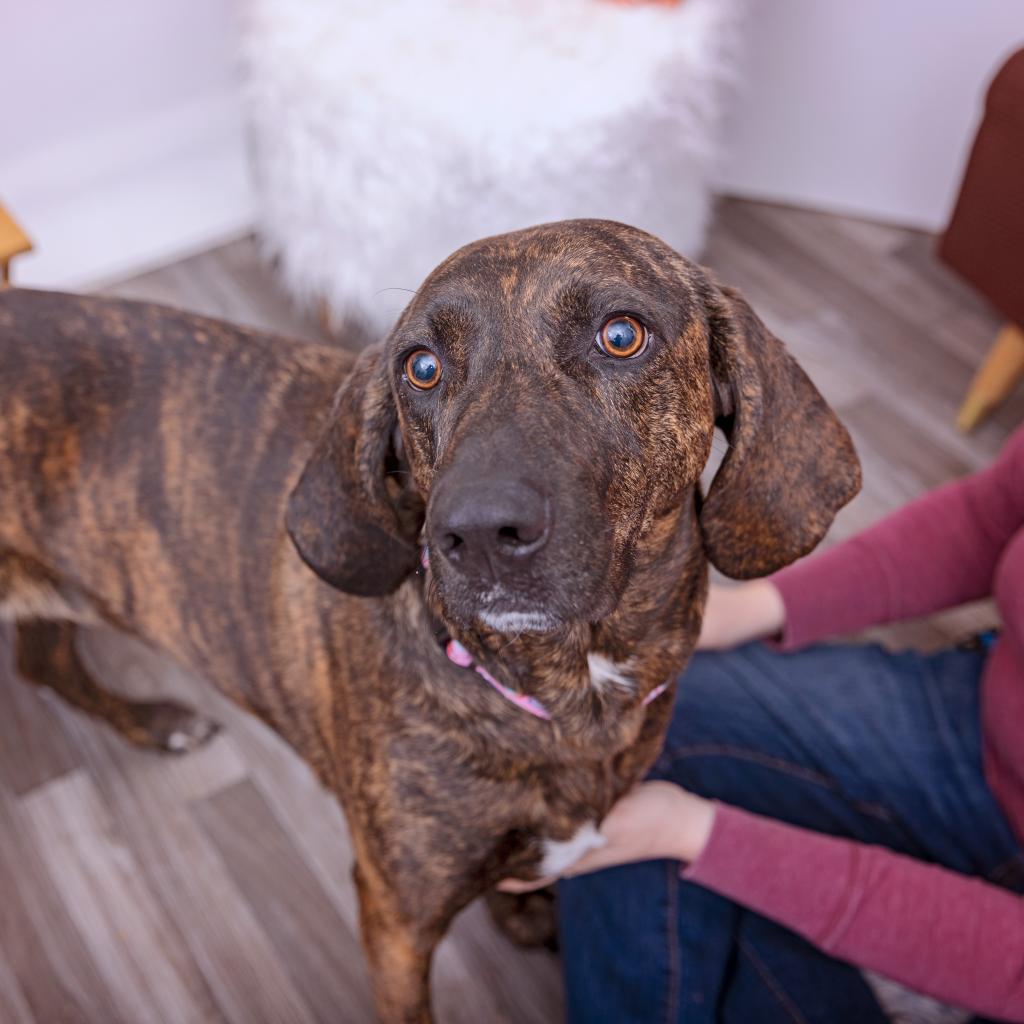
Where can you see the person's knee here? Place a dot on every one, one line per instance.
(726, 708)
(717, 699)
(624, 900)
(616, 929)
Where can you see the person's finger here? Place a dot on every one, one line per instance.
(596, 860)
(520, 885)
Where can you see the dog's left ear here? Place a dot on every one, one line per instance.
(791, 464)
(343, 516)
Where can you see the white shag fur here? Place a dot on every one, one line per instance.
(387, 135)
(560, 856)
(605, 672)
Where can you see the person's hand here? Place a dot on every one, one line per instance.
(737, 614)
(653, 821)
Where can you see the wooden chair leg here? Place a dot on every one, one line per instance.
(325, 318)
(13, 242)
(998, 375)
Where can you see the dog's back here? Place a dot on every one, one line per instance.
(146, 454)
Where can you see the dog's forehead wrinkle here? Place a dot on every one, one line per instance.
(555, 272)
(568, 245)
(452, 315)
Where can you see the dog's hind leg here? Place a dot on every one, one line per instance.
(47, 656)
(46, 613)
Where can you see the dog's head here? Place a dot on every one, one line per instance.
(544, 399)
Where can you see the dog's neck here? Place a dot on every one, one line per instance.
(592, 679)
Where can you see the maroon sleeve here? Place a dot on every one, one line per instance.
(935, 553)
(956, 938)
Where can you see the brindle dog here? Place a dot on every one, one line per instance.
(538, 420)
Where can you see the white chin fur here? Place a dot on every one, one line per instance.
(560, 856)
(518, 622)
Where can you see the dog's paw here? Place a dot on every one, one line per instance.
(527, 919)
(174, 728)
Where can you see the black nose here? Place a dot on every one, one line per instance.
(488, 528)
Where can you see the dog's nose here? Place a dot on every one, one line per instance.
(485, 528)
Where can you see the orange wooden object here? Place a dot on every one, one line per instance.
(13, 241)
(999, 374)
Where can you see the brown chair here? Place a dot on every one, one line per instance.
(985, 238)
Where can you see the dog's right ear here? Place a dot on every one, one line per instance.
(341, 518)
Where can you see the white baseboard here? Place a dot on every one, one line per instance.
(126, 199)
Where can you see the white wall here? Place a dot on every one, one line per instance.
(867, 107)
(121, 139)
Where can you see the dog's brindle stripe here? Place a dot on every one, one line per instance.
(145, 458)
(146, 462)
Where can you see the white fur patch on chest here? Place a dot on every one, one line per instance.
(559, 856)
(605, 673)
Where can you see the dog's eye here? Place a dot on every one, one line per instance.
(622, 337)
(423, 369)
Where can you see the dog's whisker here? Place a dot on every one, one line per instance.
(396, 288)
(509, 641)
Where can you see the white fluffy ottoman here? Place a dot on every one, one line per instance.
(387, 133)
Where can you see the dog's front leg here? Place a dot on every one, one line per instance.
(399, 948)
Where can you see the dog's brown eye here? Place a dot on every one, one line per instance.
(423, 369)
(622, 337)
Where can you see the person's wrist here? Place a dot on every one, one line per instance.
(694, 820)
(741, 613)
(771, 609)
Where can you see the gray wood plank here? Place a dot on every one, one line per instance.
(233, 282)
(14, 1008)
(910, 282)
(492, 980)
(41, 947)
(316, 946)
(106, 896)
(889, 336)
(150, 796)
(34, 747)
(910, 460)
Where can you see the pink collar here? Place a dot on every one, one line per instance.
(458, 655)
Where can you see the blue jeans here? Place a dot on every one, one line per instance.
(849, 740)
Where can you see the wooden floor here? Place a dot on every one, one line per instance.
(138, 888)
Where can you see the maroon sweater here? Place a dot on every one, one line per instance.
(956, 938)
